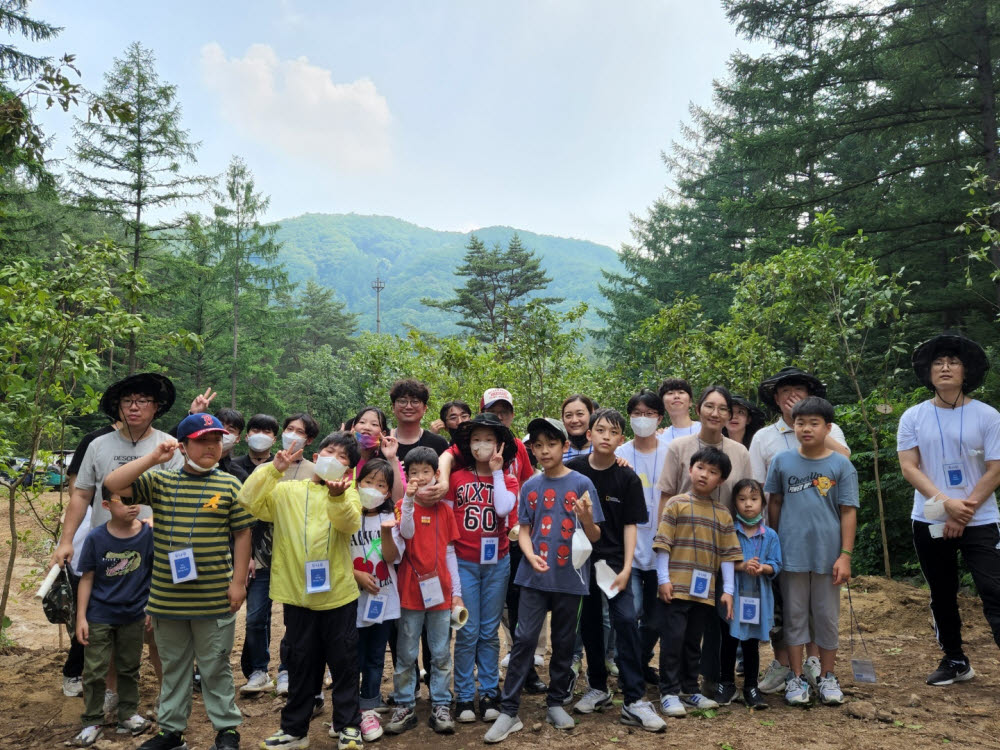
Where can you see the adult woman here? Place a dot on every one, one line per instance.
(949, 450)
(372, 431)
(744, 422)
(576, 411)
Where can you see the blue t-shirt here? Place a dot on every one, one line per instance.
(813, 489)
(122, 572)
(546, 506)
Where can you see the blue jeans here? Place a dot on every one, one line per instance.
(256, 653)
(371, 653)
(478, 643)
(411, 622)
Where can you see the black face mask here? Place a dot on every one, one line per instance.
(578, 441)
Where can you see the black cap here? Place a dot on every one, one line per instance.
(789, 376)
(151, 384)
(485, 419)
(974, 360)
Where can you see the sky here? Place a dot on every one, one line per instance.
(545, 115)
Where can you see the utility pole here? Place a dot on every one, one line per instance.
(378, 285)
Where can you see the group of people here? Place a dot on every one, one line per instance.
(706, 536)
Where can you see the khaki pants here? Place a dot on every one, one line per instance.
(124, 644)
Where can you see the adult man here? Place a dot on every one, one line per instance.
(949, 450)
(409, 404)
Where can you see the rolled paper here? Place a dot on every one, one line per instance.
(47, 583)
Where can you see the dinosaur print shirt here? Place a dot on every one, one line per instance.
(122, 571)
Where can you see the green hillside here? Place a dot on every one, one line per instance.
(346, 251)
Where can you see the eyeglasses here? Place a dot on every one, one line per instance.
(129, 402)
(949, 361)
(408, 402)
(715, 409)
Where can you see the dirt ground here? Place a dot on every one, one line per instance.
(898, 712)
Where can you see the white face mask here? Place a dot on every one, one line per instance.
(329, 468)
(197, 468)
(292, 441)
(228, 441)
(644, 426)
(260, 442)
(482, 451)
(371, 497)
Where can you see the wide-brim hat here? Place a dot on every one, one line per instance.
(463, 433)
(974, 361)
(757, 417)
(151, 384)
(789, 376)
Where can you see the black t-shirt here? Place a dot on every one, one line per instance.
(623, 503)
(428, 438)
(262, 532)
(81, 449)
(246, 465)
(232, 466)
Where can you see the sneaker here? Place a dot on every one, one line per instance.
(503, 727)
(671, 705)
(539, 660)
(505, 662)
(281, 685)
(651, 675)
(609, 664)
(318, 703)
(753, 698)
(135, 726)
(72, 687)
(371, 727)
(775, 678)
(592, 700)
(950, 671)
(87, 737)
(403, 718)
(282, 741)
(440, 720)
(797, 692)
(572, 690)
(811, 670)
(110, 702)
(489, 708)
(641, 714)
(557, 717)
(830, 693)
(699, 702)
(383, 707)
(196, 677)
(724, 693)
(465, 712)
(227, 739)
(166, 741)
(327, 678)
(535, 686)
(739, 666)
(575, 666)
(349, 739)
(258, 682)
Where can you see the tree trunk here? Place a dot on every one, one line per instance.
(988, 118)
(236, 333)
(133, 301)
(12, 518)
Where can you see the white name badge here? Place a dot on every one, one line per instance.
(489, 550)
(936, 530)
(374, 611)
(955, 475)
(182, 566)
(430, 591)
(317, 576)
(750, 610)
(701, 584)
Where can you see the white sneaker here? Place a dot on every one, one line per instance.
(327, 678)
(592, 700)
(72, 687)
(829, 690)
(258, 682)
(812, 671)
(281, 686)
(671, 705)
(134, 726)
(87, 737)
(504, 662)
(611, 667)
(641, 714)
(539, 660)
(775, 677)
(699, 702)
(110, 702)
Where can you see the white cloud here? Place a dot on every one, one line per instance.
(296, 108)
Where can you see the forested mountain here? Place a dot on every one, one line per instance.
(346, 251)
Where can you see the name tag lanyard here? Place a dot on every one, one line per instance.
(173, 509)
(495, 534)
(305, 529)
(754, 580)
(944, 456)
(652, 482)
(711, 570)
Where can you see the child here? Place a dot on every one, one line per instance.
(755, 600)
(695, 536)
(552, 577)
(115, 566)
(312, 577)
(374, 553)
(623, 505)
(429, 587)
(813, 499)
(196, 590)
(372, 431)
(482, 496)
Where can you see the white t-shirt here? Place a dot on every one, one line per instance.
(777, 438)
(366, 554)
(671, 432)
(968, 436)
(78, 540)
(107, 453)
(647, 466)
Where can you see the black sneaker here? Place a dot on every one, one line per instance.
(724, 693)
(489, 708)
(950, 671)
(535, 686)
(465, 712)
(650, 675)
(753, 698)
(164, 741)
(197, 679)
(227, 739)
(318, 703)
(403, 719)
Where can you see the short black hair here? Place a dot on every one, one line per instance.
(311, 425)
(675, 384)
(422, 454)
(264, 423)
(549, 430)
(813, 406)
(410, 388)
(611, 416)
(231, 417)
(753, 484)
(713, 457)
(461, 405)
(646, 398)
(348, 442)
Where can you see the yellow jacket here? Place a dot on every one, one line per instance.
(327, 530)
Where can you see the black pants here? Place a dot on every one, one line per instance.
(513, 594)
(649, 631)
(751, 659)
(74, 659)
(533, 605)
(317, 638)
(682, 624)
(621, 610)
(980, 548)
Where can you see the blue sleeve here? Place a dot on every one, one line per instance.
(88, 554)
(847, 490)
(522, 504)
(146, 545)
(774, 483)
(773, 555)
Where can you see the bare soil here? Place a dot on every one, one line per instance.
(900, 712)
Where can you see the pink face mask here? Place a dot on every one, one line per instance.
(367, 442)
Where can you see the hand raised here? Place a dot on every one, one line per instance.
(496, 460)
(283, 459)
(201, 401)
